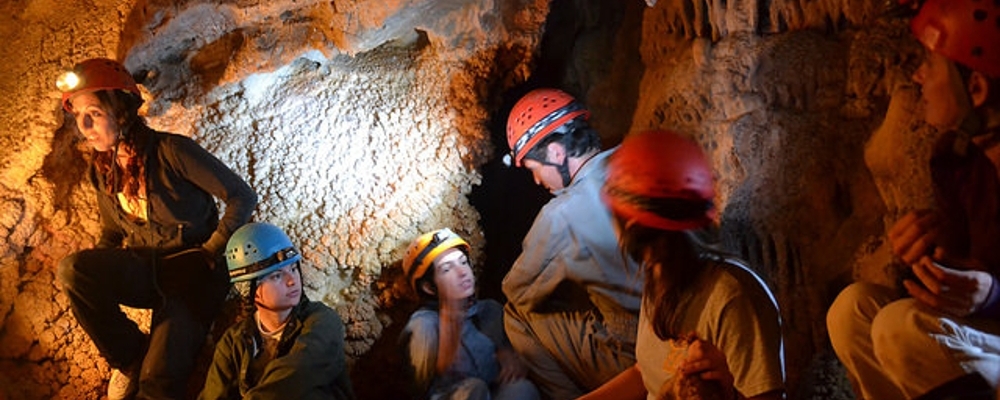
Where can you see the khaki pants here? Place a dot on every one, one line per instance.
(567, 353)
(897, 348)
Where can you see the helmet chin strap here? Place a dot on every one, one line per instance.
(562, 168)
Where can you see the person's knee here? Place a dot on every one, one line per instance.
(472, 388)
(902, 326)
(521, 389)
(855, 306)
(67, 271)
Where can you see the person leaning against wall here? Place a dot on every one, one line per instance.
(943, 338)
(573, 297)
(454, 345)
(709, 326)
(286, 347)
(161, 237)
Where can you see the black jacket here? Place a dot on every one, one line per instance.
(182, 181)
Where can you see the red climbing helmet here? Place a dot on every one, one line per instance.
(964, 31)
(93, 75)
(662, 180)
(535, 116)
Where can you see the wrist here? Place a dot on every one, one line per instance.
(990, 307)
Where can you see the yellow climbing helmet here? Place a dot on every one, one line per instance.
(425, 248)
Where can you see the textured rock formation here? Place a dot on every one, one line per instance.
(364, 123)
(359, 124)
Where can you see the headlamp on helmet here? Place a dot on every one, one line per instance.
(94, 75)
(425, 248)
(68, 81)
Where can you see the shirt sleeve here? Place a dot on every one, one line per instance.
(749, 333)
(419, 341)
(222, 380)
(540, 269)
(211, 175)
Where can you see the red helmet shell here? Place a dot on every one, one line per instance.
(536, 115)
(94, 75)
(659, 165)
(964, 31)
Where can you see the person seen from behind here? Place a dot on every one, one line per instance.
(709, 327)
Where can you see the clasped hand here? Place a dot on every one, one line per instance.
(709, 363)
(955, 286)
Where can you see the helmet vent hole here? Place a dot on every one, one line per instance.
(977, 51)
(979, 15)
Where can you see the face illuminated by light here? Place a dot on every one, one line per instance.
(453, 275)
(942, 92)
(96, 125)
(281, 289)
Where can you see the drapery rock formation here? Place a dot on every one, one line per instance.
(362, 124)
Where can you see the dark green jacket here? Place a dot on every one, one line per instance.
(310, 364)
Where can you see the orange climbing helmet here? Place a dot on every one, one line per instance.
(538, 114)
(662, 180)
(964, 31)
(425, 248)
(93, 75)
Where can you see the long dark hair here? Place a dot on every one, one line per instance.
(135, 134)
(672, 262)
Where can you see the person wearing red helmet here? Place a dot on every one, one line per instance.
(708, 324)
(573, 297)
(942, 338)
(161, 237)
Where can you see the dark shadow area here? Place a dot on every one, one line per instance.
(65, 166)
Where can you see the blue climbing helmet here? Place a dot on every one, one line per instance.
(256, 249)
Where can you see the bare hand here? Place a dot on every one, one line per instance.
(915, 235)
(959, 292)
(452, 314)
(709, 363)
(511, 367)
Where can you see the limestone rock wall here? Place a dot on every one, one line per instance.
(363, 123)
(360, 125)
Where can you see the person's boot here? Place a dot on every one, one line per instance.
(124, 382)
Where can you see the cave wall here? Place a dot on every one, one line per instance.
(809, 114)
(362, 124)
